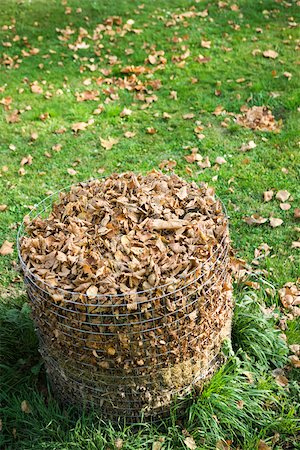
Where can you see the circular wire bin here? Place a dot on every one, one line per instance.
(131, 362)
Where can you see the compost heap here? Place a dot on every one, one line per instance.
(125, 233)
(135, 279)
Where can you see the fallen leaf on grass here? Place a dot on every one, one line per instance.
(151, 130)
(6, 248)
(205, 163)
(255, 219)
(295, 244)
(3, 208)
(249, 146)
(26, 160)
(203, 59)
(268, 195)
(129, 134)
(87, 95)
(25, 407)
(263, 446)
(220, 160)
(119, 443)
(297, 213)
(289, 296)
(275, 222)
(34, 136)
(288, 75)
(173, 95)
(222, 445)
(14, 117)
(281, 380)
(81, 126)
(270, 54)
(190, 443)
(188, 116)
(295, 361)
(285, 206)
(108, 143)
(157, 445)
(125, 112)
(167, 164)
(71, 172)
(35, 88)
(282, 195)
(205, 44)
(98, 110)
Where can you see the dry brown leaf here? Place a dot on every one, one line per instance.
(34, 136)
(205, 44)
(87, 95)
(6, 248)
(13, 117)
(71, 172)
(79, 126)
(203, 59)
(125, 112)
(255, 219)
(288, 75)
(182, 193)
(282, 195)
(263, 446)
(108, 143)
(25, 407)
(285, 206)
(173, 95)
(295, 361)
(167, 164)
(36, 89)
(281, 380)
(295, 348)
(188, 116)
(3, 208)
(92, 291)
(151, 130)
(129, 134)
(119, 443)
(222, 445)
(270, 54)
(268, 195)
(157, 445)
(26, 160)
(297, 213)
(249, 146)
(275, 222)
(152, 59)
(190, 443)
(220, 160)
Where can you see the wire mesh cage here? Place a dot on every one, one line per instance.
(132, 361)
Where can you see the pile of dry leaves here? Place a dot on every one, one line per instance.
(137, 295)
(258, 118)
(126, 233)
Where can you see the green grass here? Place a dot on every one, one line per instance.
(212, 416)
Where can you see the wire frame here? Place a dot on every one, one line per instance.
(128, 355)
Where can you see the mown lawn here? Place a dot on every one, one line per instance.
(70, 64)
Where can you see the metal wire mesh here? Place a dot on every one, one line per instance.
(132, 362)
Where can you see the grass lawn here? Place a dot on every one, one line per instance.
(88, 88)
